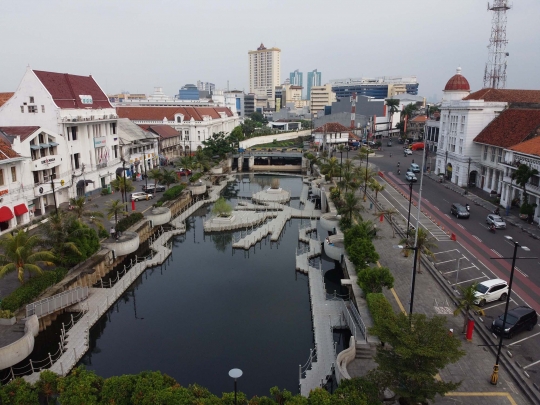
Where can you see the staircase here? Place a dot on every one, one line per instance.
(364, 351)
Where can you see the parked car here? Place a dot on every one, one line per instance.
(409, 176)
(389, 143)
(152, 188)
(517, 319)
(183, 172)
(496, 221)
(414, 168)
(141, 196)
(459, 211)
(491, 290)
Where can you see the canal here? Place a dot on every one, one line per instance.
(209, 309)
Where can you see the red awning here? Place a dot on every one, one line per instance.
(5, 214)
(20, 209)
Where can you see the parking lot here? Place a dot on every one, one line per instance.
(460, 269)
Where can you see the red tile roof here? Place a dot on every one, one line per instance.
(66, 90)
(511, 127)
(23, 132)
(419, 118)
(530, 147)
(158, 113)
(506, 95)
(164, 131)
(5, 97)
(332, 127)
(6, 152)
(457, 82)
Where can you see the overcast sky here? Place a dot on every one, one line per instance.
(136, 45)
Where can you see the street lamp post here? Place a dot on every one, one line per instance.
(235, 373)
(495, 373)
(413, 282)
(410, 202)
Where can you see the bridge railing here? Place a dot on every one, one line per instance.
(49, 305)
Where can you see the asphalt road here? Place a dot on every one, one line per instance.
(475, 249)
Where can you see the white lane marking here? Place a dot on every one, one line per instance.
(446, 261)
(446, 201)
(517, 268)
(446, 215)
(496, 305)
(446, 251)
(528, 337)
(466, 268)
(532, 364)
(477, 238)
(472, 279)
(497, 253)
(437, 208)
(461, 226)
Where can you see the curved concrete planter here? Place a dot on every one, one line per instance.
(20, 349)
(197, 189)
(8, 321)
(223, 220)
(128, 243)
(159, 215)
(216, 170)
(343, 359)
(329, 222)
(335, 249)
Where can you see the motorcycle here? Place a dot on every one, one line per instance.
(398, 171)
(492, 228)
(497, 212)
(468, 207)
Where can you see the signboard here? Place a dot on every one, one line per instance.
(47, 160)
(100, 142)
(4, 192)
(86, 99)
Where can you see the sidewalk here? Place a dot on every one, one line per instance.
(475, 368)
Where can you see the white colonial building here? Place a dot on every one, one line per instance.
(194, 124)
(75, 117)
(139, 148)
(330, 136)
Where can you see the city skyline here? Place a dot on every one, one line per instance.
(126, 60)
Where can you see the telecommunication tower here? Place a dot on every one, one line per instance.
(495, 72)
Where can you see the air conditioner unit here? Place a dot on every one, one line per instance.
(79, 118)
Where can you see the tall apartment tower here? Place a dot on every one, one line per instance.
(313, 79)
(296, 78)
(265, 73)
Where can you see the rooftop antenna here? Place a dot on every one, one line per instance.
(495, 72)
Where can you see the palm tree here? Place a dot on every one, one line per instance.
(362, 153)
(169, 177)
(313, 160)
(348, 181)
(57, 232)
(389, 213)
(366, 174)
(348, 166)
(330, 167)
(19, 255)
(392, 105)
(124, 185)
(202, 162)
(156, 175)
(466, 303)
(522, 176)
(374, 185)
(79, 209)
(424, 243)
(352, 206)
(187, 162)
(115, 208)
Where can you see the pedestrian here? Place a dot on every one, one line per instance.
(112, 232)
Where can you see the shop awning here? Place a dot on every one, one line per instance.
(53, 144)
(5, 214)
(20, 209)
(34, 147)
(81, 183)
(44, 145)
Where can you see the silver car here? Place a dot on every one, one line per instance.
(496, 221)
(409, 176)
(141, 196)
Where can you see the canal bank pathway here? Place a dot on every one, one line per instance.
(76, 340)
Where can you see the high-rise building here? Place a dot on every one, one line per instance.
(189, 92)
(321, 96)
(313, 79)
(206, 86)
(376, 87)
(264, 72)
(296, 78)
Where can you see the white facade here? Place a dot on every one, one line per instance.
(265, 72)
(86, 137)
(321, 96)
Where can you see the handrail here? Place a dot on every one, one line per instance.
(52, 304)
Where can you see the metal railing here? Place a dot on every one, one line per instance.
(52, 304)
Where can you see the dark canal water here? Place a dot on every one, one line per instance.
(211, 309)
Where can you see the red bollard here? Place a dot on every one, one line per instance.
(453, 237)
(470, 329)
(381, 218)
(132, 205)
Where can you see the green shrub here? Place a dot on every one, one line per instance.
(196, 177)
(373, 279)
(18, 392)
(80, 387)
(380, 309)
(171, 194)
(128, 221)
(102, 233)
(87, 241)
(6, 314)
(31, 289)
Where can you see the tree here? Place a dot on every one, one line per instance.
(80, 387)
(466, 303)
(418, 347)
(156, 175)
(249, 127)
(424, 243)
(187, 162)
(82, 213)
(392, 105)
(362, 153)
(202, 160)
(218, 144)
(408, 111)
(352, 206)
(331, 167)
(236, 136)
(434, 109)
(522, 176)
(222, 208)
(366, 174)
(313, 160)
(361, 253)
(373, 279)
(169, 177)
(19, 255)
(57, 232)
(258, 117)
(389, 213)
(362, 230)
(348, 181)
(115, 208)
(374, 185)
(122, 184)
